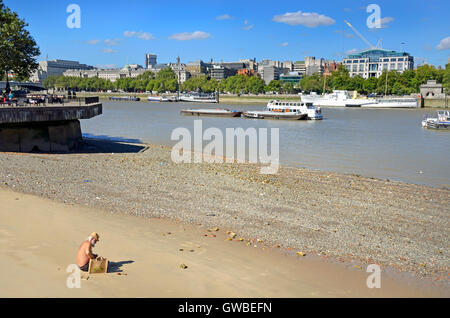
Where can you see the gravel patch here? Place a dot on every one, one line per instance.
(345, 217)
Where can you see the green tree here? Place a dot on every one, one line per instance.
(18, 49)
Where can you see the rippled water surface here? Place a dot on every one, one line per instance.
(371, 142)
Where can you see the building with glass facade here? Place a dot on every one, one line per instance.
(372, 63)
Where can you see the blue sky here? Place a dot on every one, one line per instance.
(115, 32)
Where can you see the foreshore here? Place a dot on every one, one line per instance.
(331, 217)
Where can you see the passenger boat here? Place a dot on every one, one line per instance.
(158, 99)
(442, 121)
(125, 98)
(199, 97)
(211, 112)
(267, 114)
(314, 113)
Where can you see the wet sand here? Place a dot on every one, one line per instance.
(39, 238)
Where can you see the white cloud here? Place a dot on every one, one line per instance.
(92, 42)
(284, 44)
(246, 26)
(187, 36)
(145, 36)
(113, 42)
(352, 51)
(385, 21)
(129, 34)
(310, 20)
(444, 44)
(140, 35)
(109, 51)
(225, 17)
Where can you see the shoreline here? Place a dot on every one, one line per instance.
(245, 100)
(314, 234)
(146, 255)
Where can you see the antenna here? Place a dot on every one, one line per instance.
(359, 35)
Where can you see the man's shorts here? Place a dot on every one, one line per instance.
(85, 268)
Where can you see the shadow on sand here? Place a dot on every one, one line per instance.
(116, 267)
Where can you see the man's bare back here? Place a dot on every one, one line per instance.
(84, 253)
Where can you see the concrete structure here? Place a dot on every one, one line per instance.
(196, 68)
(313, 66)
(46, 129)
(300, 67)
(150, 60)
(270, 73)
(56, 68)
(372, 63)
(180, 70)
(288, 65)
(432, 90)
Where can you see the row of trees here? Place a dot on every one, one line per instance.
(391, 82)
(396, 83)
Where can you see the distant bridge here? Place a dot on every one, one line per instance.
(29, 85)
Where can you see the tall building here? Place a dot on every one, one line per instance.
(313, 66)
(150, 60)
(196, 68)
(372, 63)
(300, 67)
(56, 68)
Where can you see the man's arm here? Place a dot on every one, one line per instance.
(89, 253)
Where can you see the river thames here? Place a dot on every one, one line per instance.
(381, 143)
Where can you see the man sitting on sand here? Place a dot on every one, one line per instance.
(84, 253)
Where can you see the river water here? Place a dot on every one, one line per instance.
(380, 143)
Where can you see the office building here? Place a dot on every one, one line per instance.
(372, 63)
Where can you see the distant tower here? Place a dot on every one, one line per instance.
(178, 60)
(150, 60)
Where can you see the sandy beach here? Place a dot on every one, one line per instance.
(134, 195)
(39, 238)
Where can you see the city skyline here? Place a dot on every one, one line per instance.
(230, 30)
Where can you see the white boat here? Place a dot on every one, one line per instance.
(158, 99)
(314, 113)
(199, 97)
(266, 114)
(338, 98)
(393, 103)
(442, 121)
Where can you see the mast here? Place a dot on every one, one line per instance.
(385, 90)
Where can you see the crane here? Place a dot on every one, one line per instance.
(359, 35)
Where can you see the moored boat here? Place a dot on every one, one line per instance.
(125, 98)
(267, 114)
(392, 103)
(158, 99)
(314, 113)
(199, 97)
(338, 98)
(442, 121)
(211, 112)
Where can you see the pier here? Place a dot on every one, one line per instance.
(50, 128)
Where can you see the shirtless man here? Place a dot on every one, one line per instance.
(84, 253)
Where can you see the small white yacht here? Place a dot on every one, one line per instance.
(442, 121)
(314, 113)
(158, 99)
